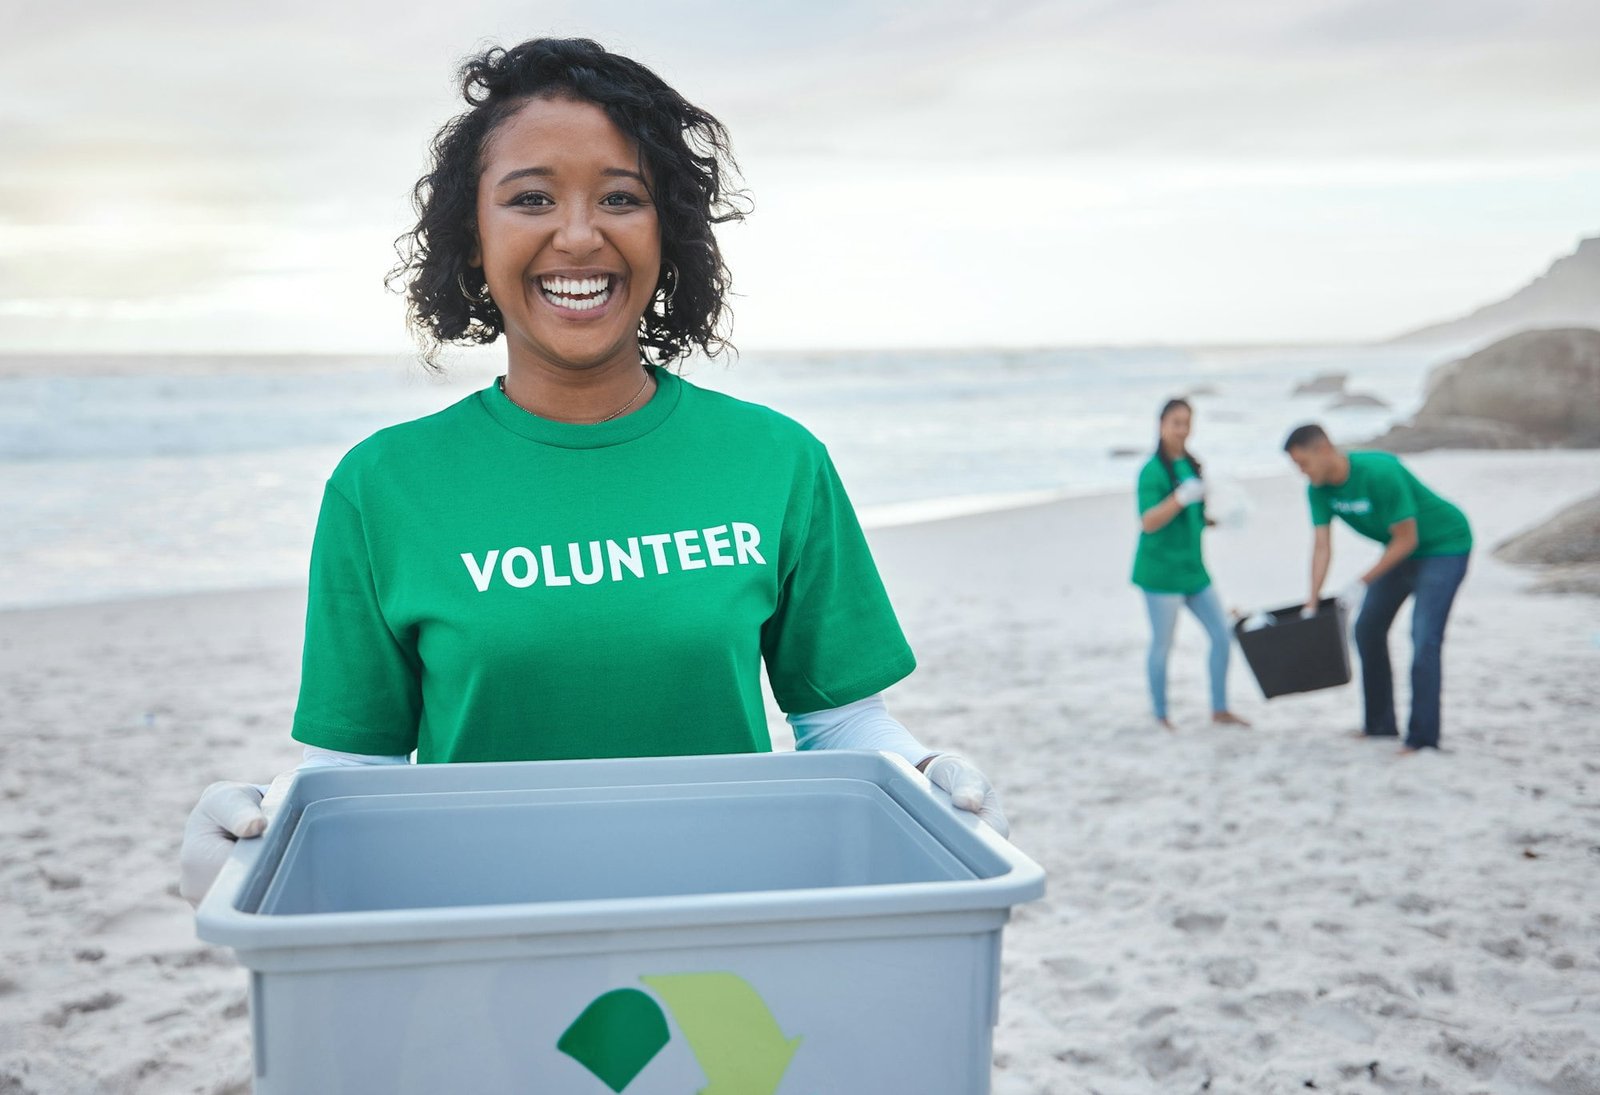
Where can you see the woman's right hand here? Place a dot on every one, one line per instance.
(227, 811)
(1190, 491)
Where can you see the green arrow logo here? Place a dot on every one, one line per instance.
(616, 1036)
(734, 1037)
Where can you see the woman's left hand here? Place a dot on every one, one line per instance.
(969, 789)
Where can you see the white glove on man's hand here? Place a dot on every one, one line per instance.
(1352, 596)
(968, 788)
(1190, 491)
(226, 812)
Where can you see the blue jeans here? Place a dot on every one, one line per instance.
(1433, 581)
(1207, 608)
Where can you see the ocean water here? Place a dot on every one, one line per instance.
(146, 476)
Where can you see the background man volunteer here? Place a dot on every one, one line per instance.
(1426, 544)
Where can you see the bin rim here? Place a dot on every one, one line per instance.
(1326, 604)
(1002, 874)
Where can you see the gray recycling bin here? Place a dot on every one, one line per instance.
(762, 924)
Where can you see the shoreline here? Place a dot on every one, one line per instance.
(872, 517)
(880, 518)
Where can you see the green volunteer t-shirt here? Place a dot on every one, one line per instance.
(1168, 560)
(491, 585)
(1380, 493)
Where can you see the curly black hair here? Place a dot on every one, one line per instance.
(692, 175)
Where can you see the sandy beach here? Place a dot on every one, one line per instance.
(1276, 909)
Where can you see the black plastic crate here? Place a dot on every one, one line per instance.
(1295, 654)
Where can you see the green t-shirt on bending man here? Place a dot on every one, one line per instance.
(1379, 494)
(1169, 560)
(491, 585)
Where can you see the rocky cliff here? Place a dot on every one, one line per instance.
(1566, 295)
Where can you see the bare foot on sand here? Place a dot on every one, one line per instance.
(1228, 718)
(1165, 724)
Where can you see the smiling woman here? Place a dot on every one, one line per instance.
(591, 557)
(569, 246)
(660, 164)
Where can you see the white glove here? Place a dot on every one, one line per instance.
(1190, 491)
(968, 789)
(226, 812)
(1352, 596)
(1256, 621)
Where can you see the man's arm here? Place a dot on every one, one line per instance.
(1321, 557)
(1402, 542)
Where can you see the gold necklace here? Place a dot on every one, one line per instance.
(500, 382)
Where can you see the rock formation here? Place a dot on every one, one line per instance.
(1322, 384)
(1537, 389)
(1567, 547)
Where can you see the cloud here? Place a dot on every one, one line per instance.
(1187, 80)
(179, 152)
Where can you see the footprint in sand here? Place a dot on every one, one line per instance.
(1435, 978)
(1510, 948)
(1580, 1074)
(1478, 1060)
(1199, 923)
(1229, 972)
(59, 1016)
(1415, 903)
(1162, 1056)
(1069, 969)
(1155, 1015)
(1339, 1021)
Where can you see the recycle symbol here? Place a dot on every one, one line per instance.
(735, 1039)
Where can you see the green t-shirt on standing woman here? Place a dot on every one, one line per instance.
(1169, 560)
(489, 585)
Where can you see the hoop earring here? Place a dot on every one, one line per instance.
(479, 297)
(676, 277)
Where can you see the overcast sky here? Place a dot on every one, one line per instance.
(206, 176)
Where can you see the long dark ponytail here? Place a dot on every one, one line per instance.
(1161, 453)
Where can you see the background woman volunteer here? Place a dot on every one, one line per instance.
(1169, 566)
(592, 557)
